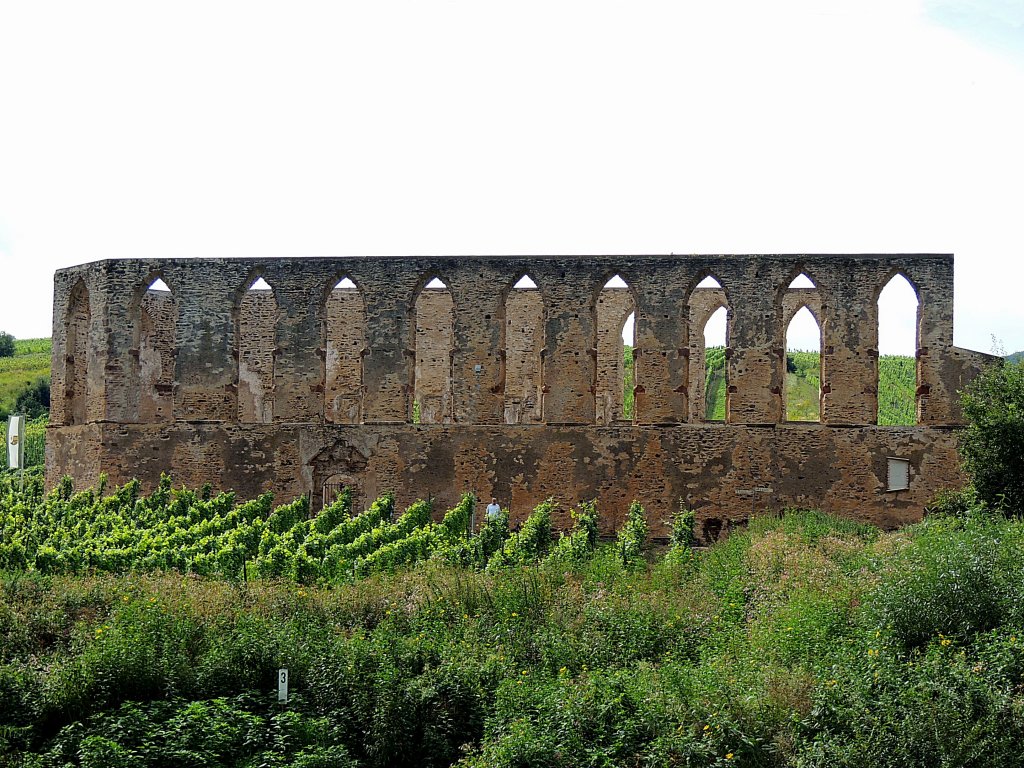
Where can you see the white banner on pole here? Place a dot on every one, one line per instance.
(15, 442)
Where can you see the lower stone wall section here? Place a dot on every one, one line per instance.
(725, 472)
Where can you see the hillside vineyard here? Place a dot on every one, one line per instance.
(434, 376)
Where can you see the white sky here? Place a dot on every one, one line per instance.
(310, 129)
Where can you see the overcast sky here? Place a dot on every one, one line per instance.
(320, 129)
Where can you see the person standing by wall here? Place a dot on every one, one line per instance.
(493, 509)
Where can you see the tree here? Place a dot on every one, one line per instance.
(35, 399)
(6, 345)
(992, 446)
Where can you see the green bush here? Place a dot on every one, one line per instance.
(34, 401)
(6, 344)
(992, 445)
(941, 707)
(954, 578)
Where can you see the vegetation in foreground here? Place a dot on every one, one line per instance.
(803, 640)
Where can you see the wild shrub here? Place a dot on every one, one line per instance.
(34, 400)
(947, 705)
(956, 502)
(992, 445)
(950, 577)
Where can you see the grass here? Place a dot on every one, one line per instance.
(803, 386)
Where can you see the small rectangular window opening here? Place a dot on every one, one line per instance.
(899, 474)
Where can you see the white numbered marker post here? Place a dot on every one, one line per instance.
(282, 686)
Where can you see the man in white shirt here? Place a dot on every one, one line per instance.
(493, 510)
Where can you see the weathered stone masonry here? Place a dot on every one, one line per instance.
(517, 392)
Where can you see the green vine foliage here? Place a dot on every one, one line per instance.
(175, 529)
(531, 542)
(68, 532)
(632, 538)
(342, 558)
(445, 540)
(578, 545)
(683, 531)
(489, 539)
(682, 535)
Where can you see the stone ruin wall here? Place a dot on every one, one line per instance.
(518, 392)
(343, 356)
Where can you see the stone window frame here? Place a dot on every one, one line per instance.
(905, 465)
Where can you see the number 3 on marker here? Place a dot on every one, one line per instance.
(282, 685)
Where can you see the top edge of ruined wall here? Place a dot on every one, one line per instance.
(515, 257)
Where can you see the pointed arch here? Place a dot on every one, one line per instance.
(708, 281)
(799, 333)
(525, 283)
(799, 286)
(709, 316)
(802, 281)
(790, 309)
(802, 376)
(524, 341)
(899, 339)
(893, 274)
(344, 343)
(78, 325)
(256, 333)
(156, 349)
(434, 340)
(614, 305)
(799, 278)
